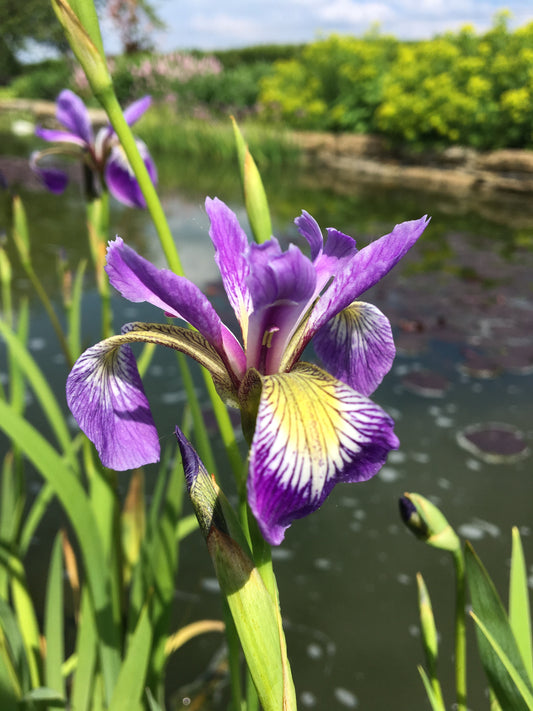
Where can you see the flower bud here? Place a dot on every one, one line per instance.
(427, 523)
(88, 55)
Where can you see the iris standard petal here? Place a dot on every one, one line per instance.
(106, 396)
(331, 257)
(72, 113)
(357, 347)
(138, 280)
(365, 269)
(134, 111)
(231, 250)
(309, 228)
(311, 432)
(282, 285)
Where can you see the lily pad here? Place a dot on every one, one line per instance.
(426, 383)
(479, 365)
(494, 442)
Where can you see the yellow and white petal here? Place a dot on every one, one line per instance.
(312, 431)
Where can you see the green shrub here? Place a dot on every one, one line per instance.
(336, 84)
(462, 88)
(42, 81)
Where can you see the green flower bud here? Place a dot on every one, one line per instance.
(427, 523)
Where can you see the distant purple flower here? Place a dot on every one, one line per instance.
(101, 153)
(309, 428)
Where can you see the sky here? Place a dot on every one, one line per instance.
(216, 24)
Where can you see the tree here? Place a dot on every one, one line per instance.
(134, 20)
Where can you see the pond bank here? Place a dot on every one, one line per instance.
(348, 158)
(456, 170)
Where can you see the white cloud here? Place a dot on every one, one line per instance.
(354, 13)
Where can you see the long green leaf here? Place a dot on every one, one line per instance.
(83, 691)
(74, 501)
(487, 607)
(254, 193)
(53, 621)
(24, 610)
(519, 610)
(43, 392)
(132, 678)
(13, 649)
(436, 703)
(74, 316)
(10, 684)
(522, 693)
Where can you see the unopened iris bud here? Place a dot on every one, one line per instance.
(85, 47)
(427, 523)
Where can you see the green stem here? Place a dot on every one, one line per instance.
(43, 296)
(460, 630)
(262, 553)
(110, 103)
(98, 226)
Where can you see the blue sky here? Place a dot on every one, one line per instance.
(216, 24)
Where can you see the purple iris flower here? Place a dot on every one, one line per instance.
(310, 428)
(101, 153)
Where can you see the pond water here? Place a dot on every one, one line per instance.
(461, 305)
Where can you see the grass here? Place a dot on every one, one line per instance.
(166, 131)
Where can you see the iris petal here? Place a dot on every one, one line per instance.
(106, 396)
(73, 115)
(121, 180)
(231, 255)
(357, 347)
(139, 280)
(365, 269)
(135, 110)
(312, 431)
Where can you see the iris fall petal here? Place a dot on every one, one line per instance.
(312, 432)
(106, 396)
(357, 347)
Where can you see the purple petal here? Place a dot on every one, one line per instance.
(138, 280)
(72, 114)
(365, 269)
(121, 180)
(55, 136)
(331, 258)
(106, 396)
(231, 250)
(312, 432)
(357, 347)
(309, 228)
(190, 459)
(281, 285)
(54, 179)
(134, 111)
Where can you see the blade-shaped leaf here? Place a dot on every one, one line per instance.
(436, 703)
(519, 610)
(487, 607)
(254, 193)
(132, 678)
(86, 645)
(53, 621)
(521, 692)
(75, 503)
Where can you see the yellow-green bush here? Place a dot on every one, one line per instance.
(335, 84)
(461, 87)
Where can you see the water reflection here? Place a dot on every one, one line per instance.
(461, 299)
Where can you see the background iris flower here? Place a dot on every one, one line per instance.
(309, 427)
(101, 153)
